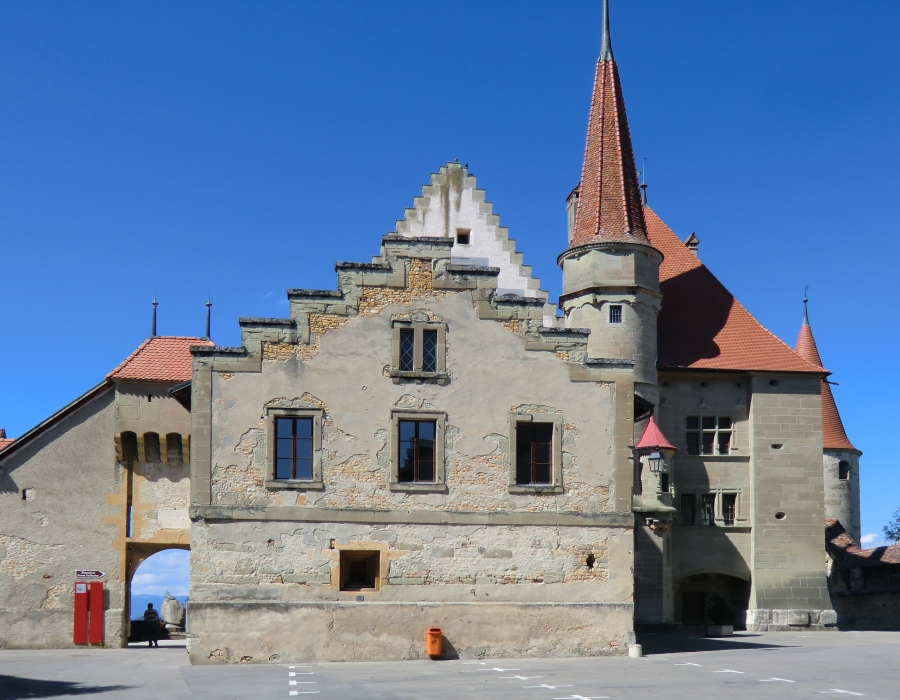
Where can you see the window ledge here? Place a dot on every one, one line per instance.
(534, 488)
(418, 488)
(296, 484)
(441, 377)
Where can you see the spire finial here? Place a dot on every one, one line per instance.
(606, 53)
(805, 302)
(153, 318)
(208, 314)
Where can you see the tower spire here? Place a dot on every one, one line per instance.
(609, 204)
(606, 53)
(834, 437)
(805, 310)
(153, 318)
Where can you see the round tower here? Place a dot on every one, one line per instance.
(840, 458)
(610, 269)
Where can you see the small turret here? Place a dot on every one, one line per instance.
(840, 457)
(610, 269)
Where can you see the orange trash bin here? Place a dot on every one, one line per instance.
(433, 641)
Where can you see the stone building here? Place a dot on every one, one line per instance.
(433, 443)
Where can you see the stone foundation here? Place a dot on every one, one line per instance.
(761, 620)
(313, 631)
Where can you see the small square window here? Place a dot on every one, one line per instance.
(359, 569)
(462, 236)
(615, 313)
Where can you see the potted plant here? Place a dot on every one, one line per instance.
(720, 616)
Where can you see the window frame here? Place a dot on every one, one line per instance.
(315, 483)
(609, 317)
(842, 464)
(715, 432)
(419, 328)
(556, 475)
(692, 500)
(439, 484)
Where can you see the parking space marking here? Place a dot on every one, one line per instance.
(582, 697)
(727, 670)
(501, 670)
(775, 680)
(522, 678)
(687, 663)
(838, 690)
(548, 687)
(303, 692)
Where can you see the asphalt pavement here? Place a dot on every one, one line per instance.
(782, 665)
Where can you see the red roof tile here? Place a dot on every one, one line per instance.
(653, 437)
(701, 325)
(833, 435)
(164, 358)
(609, 203)
(5, 441)
(845, 550)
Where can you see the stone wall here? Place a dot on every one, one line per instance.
(61, 524)
(842, 496)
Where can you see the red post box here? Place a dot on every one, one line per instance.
(80, 635)
(95, 612)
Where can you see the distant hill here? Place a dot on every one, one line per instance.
(139, 604)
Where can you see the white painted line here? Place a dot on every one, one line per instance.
(727, 670)
(582, 697)
(774, 680)
(500, 670)
(474, 663)
(303, 673)
(838, 690)
(687, 664)
(548, 687)
(522, 678)
(303, 692)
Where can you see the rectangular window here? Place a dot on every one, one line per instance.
(664, 482)
(294, 448)
(359, 569)
(687, 509)
(429, 351)
(407, 349)
(708, 510)
(534, 453)
(707, 435)
(615, 313)
(729, 507)
(416, 451)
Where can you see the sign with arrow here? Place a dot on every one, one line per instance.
(89, 573)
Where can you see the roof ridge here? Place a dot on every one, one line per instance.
(124, 363)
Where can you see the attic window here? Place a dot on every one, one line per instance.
(615, 313)
(462, 236)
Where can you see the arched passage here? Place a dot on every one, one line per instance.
(152, 570)
(712, 598)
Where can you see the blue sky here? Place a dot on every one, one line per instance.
(241, 148)
(164, 571)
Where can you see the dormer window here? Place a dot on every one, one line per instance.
(615, 313)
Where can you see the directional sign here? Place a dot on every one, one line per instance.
(89, 573)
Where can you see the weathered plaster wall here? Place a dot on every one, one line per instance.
(59, 527)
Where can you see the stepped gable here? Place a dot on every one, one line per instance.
(609, 202)
(702, 326)
(164, 358)
(834, 437)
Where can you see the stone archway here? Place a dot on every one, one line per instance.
(697, 596)
(137, 553)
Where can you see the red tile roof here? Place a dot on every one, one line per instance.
(833, 435)
(845, 550)
(653, 437)
(609, 203)
(5, 441)
(164, 358)
(701, 325)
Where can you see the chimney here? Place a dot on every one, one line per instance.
(692, 243)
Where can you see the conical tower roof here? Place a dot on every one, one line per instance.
(833, 435)
(609, 204)
(653, 438)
